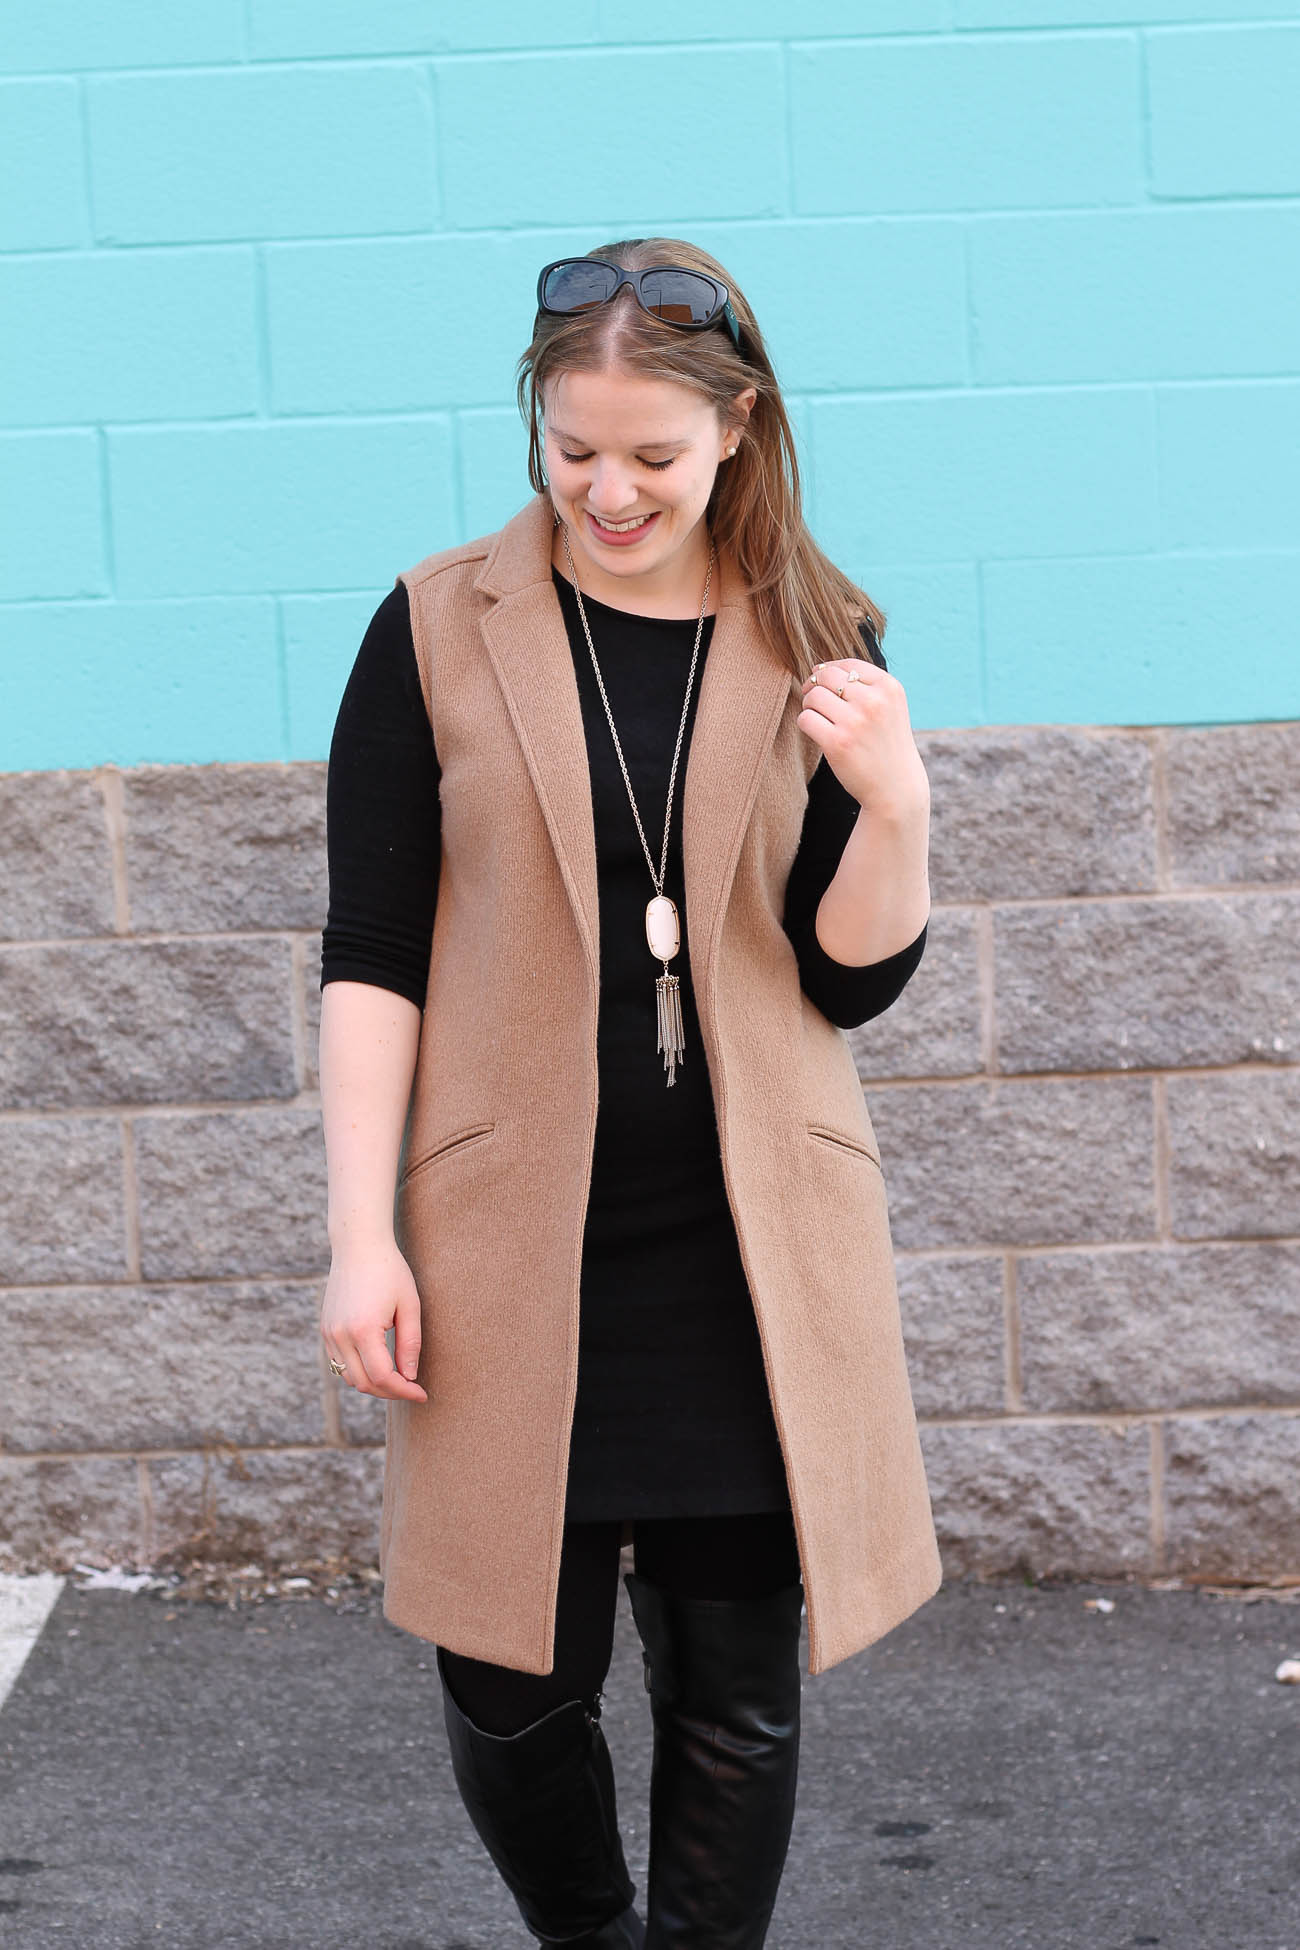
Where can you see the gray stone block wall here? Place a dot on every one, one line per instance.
(1088, 1104)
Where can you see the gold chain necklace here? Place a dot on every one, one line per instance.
(662, 926)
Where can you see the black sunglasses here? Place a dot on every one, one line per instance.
(679, 297)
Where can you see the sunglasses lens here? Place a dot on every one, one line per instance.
(681, 297)
(577, 285)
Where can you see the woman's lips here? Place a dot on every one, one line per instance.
(620, 541)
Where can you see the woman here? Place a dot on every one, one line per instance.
(623, 832)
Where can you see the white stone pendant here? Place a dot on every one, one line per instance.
(662, 929)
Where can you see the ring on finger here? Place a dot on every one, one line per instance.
(337, 1367)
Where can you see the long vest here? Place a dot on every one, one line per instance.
(496, 1155)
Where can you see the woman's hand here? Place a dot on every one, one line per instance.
(370, 1289)
(866, 735)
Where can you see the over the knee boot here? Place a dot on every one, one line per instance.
(543, 1803)
(723, 1679)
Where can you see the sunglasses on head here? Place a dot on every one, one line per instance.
(679, 297)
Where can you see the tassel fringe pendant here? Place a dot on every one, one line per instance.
(672, 1041)
(664, 935)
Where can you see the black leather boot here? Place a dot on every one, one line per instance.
(543, 1803)
(723, 1679)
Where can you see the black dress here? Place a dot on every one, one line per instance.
(672, 1416)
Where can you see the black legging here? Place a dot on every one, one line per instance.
(695, 1557)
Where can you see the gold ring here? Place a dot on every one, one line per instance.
(337, 1367)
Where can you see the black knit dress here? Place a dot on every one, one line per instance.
(672, 1416)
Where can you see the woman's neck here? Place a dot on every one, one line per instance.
(682, 605)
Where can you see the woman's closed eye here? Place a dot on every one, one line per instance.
(644, 463)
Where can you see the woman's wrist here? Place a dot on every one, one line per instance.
(360, 1232)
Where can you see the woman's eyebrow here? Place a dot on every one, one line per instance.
(573, 441)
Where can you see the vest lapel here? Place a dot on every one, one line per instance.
(743, 693)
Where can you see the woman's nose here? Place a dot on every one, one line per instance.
(612, 489)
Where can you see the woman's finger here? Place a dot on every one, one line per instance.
(843, 671)
(379, 1376)
(826, 702)
(345, 1356)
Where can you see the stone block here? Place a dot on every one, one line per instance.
(954, 1330)
(213, 848)
(175, 1499)
(311, 1000)
(1017, 1162)
(1040, 1498)
(56, 1511)
(58, 863)
(62, 1199)
(217, 151)
(1231, 1504)
(1233, 797)
(224, 1193)
(1234, 1164)
(1160, 1327)
(126, 1367)
(363, 1418)
(269, 1506)
(146, 1022)
(1019, 812)
(933, 1029)
(1159, 984)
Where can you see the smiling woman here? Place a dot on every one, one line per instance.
(631, 463)
(628, 1226)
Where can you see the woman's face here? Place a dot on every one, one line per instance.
(623, 448)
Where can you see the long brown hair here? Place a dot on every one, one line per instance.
(805, 605)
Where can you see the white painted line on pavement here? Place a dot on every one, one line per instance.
(25, 1604)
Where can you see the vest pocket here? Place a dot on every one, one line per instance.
(842, 1141)
(457, 1141)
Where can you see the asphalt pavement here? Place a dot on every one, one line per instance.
(1013, 1765)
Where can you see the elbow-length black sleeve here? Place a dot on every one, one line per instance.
(382, 816)
(848, 996)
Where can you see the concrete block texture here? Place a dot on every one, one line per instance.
(145, 1022)
(1233, 804)
(1072, 140)
(231, 1192)
(1237, 86)
(954, 1326)
(1234, 1154)
(1024, 1163)
(127, 335)
(219, 848)
(1231, 1509)
(706, 165)
(41, 160)
(52, 539)
(58, 1510)
(274, 1506)
(935, 1028)
(1165, 1326)
(63, 1199)
(1087, 1103)
(256, 152)
(58, 877)
(267, 269)
(161, 1366)
(1024, 813)
(1041, 1498)
(1147, 984)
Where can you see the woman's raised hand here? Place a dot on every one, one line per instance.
(370, 1289)
(858, 714)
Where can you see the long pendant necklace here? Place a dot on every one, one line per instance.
(662, 926)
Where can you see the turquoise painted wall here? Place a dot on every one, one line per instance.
(1047, 389)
